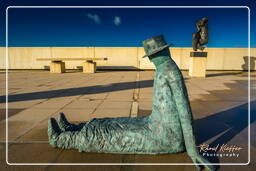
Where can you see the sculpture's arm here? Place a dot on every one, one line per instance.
(183, 106)
(179, 91)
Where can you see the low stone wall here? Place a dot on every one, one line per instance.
(123, 57)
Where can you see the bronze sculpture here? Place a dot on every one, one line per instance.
(167, 130)
(200, 37)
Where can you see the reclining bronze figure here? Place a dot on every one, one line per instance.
(167, 130)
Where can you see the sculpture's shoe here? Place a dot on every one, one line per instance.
(53, 132)
(63, 122)
(65, 125)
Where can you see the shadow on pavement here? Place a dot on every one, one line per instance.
(77, 91)
(224, 125)
(11, 112)
(227, 124)
(223, 74)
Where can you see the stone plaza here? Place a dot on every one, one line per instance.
(219, 104)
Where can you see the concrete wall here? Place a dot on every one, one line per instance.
(123, 57)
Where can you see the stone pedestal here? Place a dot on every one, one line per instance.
(57, 67)
(89, 67)
(197, 64)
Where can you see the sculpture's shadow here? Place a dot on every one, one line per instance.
(222, 127)
(223, 74)
(89, 90)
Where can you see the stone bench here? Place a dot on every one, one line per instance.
(58, 66)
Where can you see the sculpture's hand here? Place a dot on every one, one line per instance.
(199, 161)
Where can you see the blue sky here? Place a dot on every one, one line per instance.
(122, 27)
(228, 27)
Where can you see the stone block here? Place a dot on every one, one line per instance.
(57, 67)
(89, 67)
(197, 64)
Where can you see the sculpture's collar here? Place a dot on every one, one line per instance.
(159, 58)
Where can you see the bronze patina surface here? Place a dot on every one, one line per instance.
(200, 37)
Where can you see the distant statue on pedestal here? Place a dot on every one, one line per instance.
(167, 130)
(200, 37)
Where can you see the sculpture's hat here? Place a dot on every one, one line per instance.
(154, 45)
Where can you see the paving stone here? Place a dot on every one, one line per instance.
(54, 103)
(215, 107)
(201, 109)
(83, 104)
(145, 108)
(76, 114)
(145, 105)
(32, 153)
(143, 112)
(145, 99)
(2, 147)
(10, 113)
(229, 96)
(120, 96)
(15, 129)
(73, 156)
(2, 105)
(33, 114)
(145, 95)
(98, 96)
(163, 158)
(4, 166)
(24, 104)
(146, 90)
(115, 105)
(37, 134)
(109, 113)
(203, 97)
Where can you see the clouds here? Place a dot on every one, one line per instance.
(97, 20)
(94, 17)
(117, 21)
